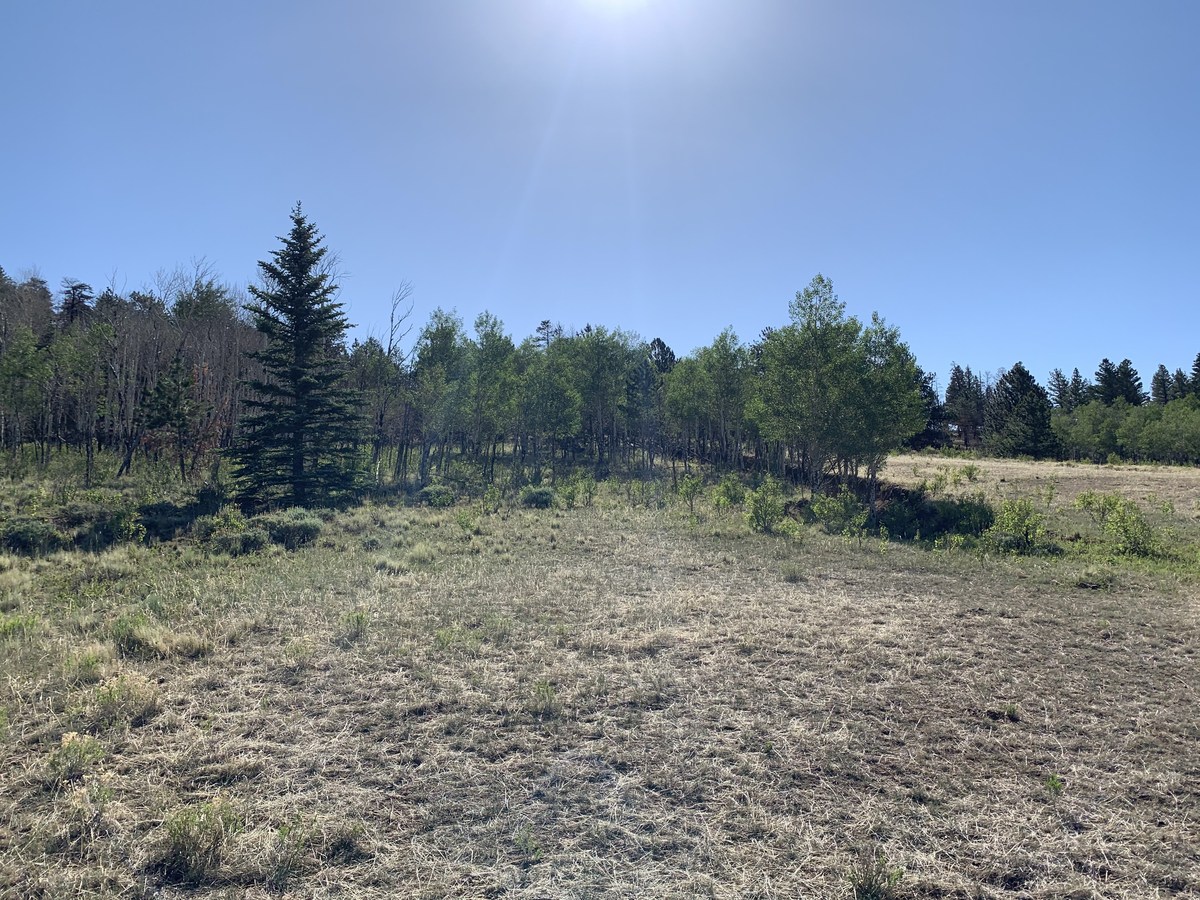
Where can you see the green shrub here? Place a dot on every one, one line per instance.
(226, 519)
(33, 537)
(871, 877)
(842, 514)
(129, 699)
(1019, 528)
(17, 626)
(537, 497)
(73, 757)
(240, 543)
(291, 528)
(730, 492)
(765, 507)
(1120, 521)
(439, 496)
(689, 488)
(196, 839)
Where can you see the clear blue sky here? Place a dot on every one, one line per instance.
(1002, 181)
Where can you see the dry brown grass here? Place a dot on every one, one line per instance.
(605, 703)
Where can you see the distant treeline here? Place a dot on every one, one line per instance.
(194, 372)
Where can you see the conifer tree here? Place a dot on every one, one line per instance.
(299, 444)
(1160, 385)
(1018, 416)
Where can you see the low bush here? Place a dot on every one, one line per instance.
(842, 514)
(291, 528)
(439, 496)
(1121, 521)
(31, 536)
(1019, 528)
(765, 509)
(195, 841)
(729, 492)
(537, 497)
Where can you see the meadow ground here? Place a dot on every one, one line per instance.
(610, 702)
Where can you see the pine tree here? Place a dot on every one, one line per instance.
(300, 431)
(1194, 382)
(1179, 385)
(1105, 389)
(1018, 416)
(1059, 389)
(1160, 385)
(1129, 384)
(1080, 389)
(964, 404)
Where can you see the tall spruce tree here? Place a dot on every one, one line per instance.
(300, 431)
(1018, 416)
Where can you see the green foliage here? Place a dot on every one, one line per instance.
(872, 877)
(537, 497)
(1019, 528)
(75, 755)
(730, 492)
(127, 700)
(227, 531)
(1054, 785)
(291, 528)
(842, 514)
(300, 426)
(689, 488)
(354, 627)
(834, 390)
(1121, 521)
(17, 626)
(195, 841)
(439, 496)
(31, 536)
(544, 702)
(765, 510)
(1017, 416)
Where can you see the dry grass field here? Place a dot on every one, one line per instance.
(609, 702)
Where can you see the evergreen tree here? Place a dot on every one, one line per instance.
(1059, 389)
(300, 430)
(1018, 416)
(1079, 391)
(1179, 385)
(1160, 385)
(76, 301)
(1195, 379)
(1105, 389)
(964, 404)
(1129, 384)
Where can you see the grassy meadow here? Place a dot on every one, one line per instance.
(627, 698)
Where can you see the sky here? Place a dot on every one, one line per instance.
(1000, 181)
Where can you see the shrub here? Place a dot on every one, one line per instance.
(125, 700)
(227, 520)
(17, 626)
(195, 840)
(537, 497)
(292, 528)
(33, 537)
(730, 492)
(871, 877)
(1019, 528)
(240, 543)
(73, 757)
(842, 514)
(439, 496)
(689, 488)
(764, 507)
(1120, 521)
